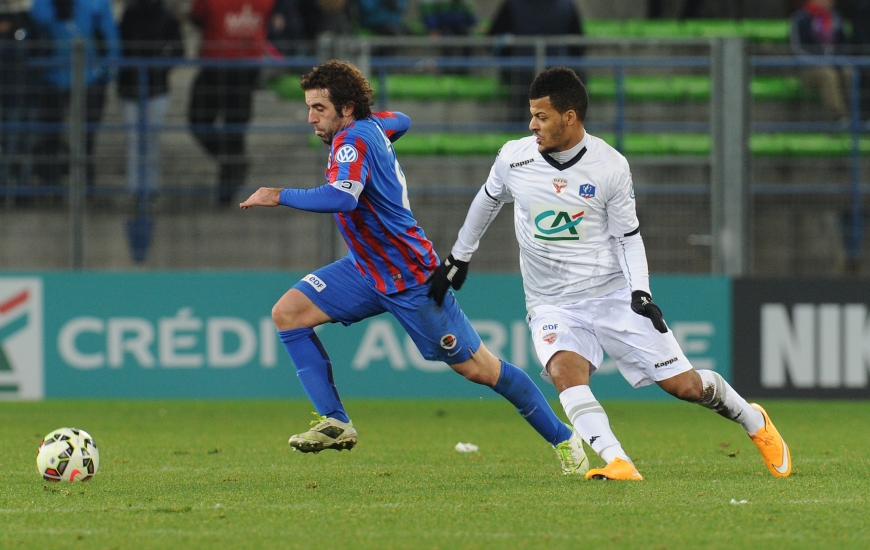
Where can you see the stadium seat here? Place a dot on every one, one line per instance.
(756, 30)
(762, 145)
(425, 87)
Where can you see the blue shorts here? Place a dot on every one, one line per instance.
(441, 333)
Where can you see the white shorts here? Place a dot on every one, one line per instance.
(643, 354)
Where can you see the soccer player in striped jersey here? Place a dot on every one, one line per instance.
(585, 275)
(386, 270)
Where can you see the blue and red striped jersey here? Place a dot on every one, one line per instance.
(390, 249)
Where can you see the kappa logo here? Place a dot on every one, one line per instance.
(666, 363)
(346, 153)
(21, 356)
(587, 190)
(560, 184)
(521, 163)
(448, 341)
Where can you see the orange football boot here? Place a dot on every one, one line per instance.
(772, 446)
(618, 469)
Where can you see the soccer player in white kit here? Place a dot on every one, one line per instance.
(585, 275)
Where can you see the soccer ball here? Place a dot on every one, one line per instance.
(68, 454)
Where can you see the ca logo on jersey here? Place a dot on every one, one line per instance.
(555, 223)
(346, 153)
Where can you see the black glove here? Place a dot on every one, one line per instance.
(451, 272)
(642, 304)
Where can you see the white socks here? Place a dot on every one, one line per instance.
(718, 396)
(589, 419)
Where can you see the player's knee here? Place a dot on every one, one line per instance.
(286, 315)
(279, 316)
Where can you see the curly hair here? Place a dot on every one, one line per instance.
(346, 86)
(564, 88)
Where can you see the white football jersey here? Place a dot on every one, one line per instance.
(566, 217)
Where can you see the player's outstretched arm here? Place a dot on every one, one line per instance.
(264, 196)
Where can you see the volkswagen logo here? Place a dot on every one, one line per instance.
(346, 153)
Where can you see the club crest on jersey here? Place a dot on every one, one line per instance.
(346, 153)
(448, 341)
(587, 190)
(560, 184)
(550, 337)
(554, 223)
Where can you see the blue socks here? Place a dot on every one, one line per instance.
(516, 386)
(314, 370)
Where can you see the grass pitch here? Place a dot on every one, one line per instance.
(219, 474)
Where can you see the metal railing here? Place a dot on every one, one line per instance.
(723, 232)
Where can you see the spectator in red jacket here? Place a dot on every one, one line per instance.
(231, 30)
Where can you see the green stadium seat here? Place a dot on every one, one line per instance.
(806, 145)
(756, 30)
(762, 145)
(425, 87)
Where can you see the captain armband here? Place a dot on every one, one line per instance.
(351, 187)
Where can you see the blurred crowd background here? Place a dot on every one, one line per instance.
(162, 115)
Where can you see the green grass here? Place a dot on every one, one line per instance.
(219, 474)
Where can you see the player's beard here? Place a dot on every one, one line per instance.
(557, 138)
(327, 135)
(329, 132)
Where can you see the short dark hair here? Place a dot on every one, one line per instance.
(346, 85)
(564, 88)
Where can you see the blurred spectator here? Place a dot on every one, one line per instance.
(148, 30)
(817, 29)
(296, 24)
(287, 28)
(858, 13)
(383, 17)
(62, 21)
(19, 37)
(534, 18)
(327, 16)
(449, 18)
(231, 30)
(332, 17)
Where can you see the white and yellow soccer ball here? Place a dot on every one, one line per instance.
(68, 454)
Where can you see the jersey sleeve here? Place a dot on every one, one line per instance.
(394, 124)
(496, 184)
(621, 213)
(483, 210)
(349, 160)
(339, 196)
